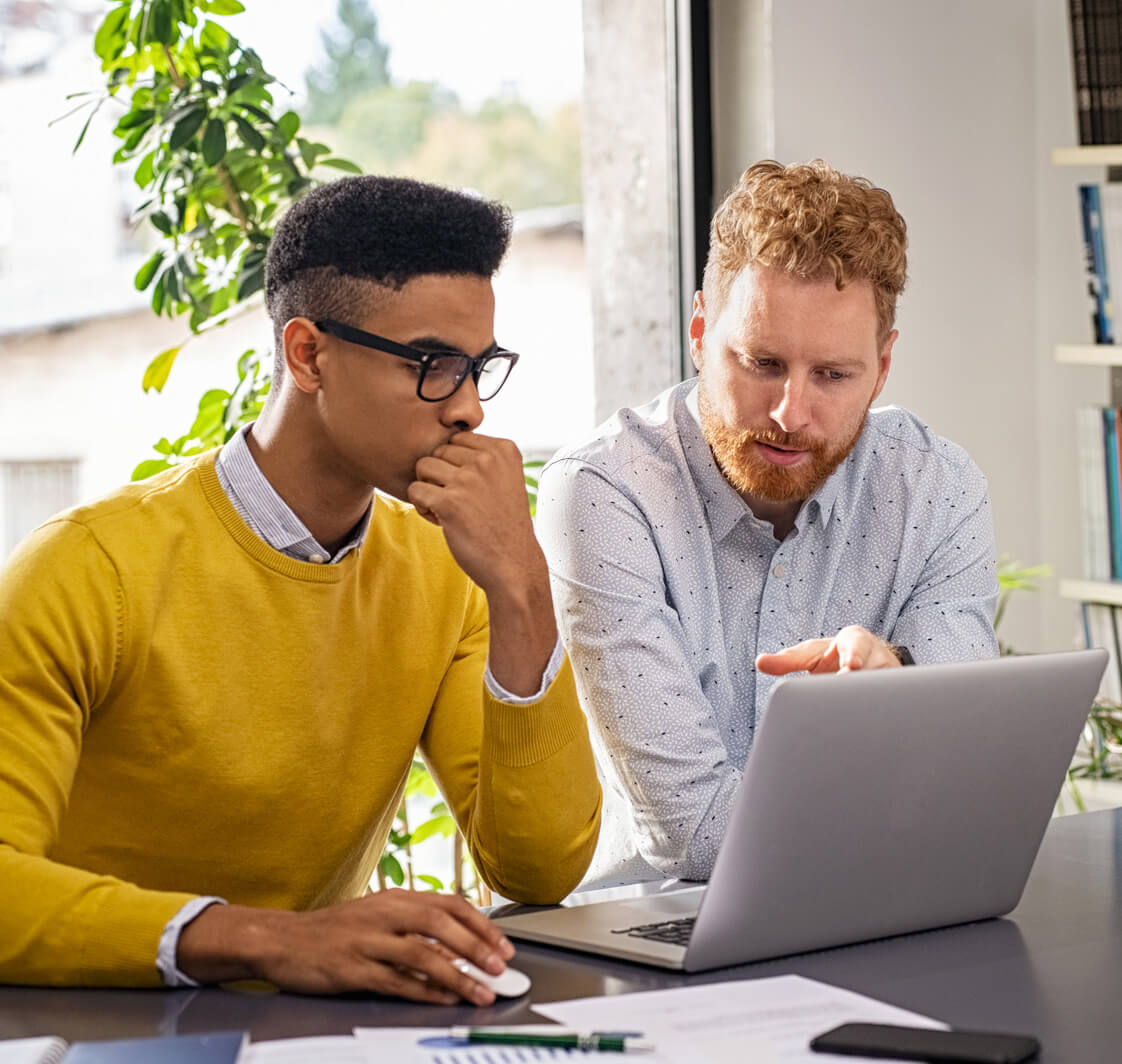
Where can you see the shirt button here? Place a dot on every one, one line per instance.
(319, 559)
(778, 570)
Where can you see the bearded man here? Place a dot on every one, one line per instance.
(760, 519)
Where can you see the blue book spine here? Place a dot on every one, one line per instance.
(1110, 435)
(1094, 249)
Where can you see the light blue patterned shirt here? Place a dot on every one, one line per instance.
(667, 587)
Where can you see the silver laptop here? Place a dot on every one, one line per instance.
(873, 804)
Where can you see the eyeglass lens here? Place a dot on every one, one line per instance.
(445, 373)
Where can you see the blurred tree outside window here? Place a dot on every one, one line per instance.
(355, 62)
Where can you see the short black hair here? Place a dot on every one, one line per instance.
(384, 230)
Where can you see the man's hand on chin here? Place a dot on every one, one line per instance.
(474, 488)
(851, 649)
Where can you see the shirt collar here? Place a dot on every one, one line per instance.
(270, 517)
(724, 506)
(822, 504)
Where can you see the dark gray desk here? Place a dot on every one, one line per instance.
(1053, 968)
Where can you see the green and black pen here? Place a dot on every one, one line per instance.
(593, 1042)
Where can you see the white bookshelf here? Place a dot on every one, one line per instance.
(1096, 155)
(1106, 355)
(1105, 591)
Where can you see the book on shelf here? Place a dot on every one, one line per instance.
(1095, 260)
(1113, 501)
(1094, 61)
(1096, 54)
(1080, 69)
(1110, 68)
(1095, 521)
(224, 1047)
(1098, 438)
(1102, 627)
(1110, 219)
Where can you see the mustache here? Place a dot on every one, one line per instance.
(793, 441)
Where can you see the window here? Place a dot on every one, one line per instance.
(32, 491)
(7, 213)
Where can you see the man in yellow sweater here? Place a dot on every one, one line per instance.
(212, 683)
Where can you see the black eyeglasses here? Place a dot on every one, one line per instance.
(442, 372)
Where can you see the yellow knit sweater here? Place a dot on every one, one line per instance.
(184, 711)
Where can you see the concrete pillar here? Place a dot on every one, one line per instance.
(631, 199)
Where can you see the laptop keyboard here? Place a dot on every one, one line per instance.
(675, 932)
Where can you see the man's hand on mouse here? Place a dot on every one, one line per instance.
(851, 649)
(395, 942)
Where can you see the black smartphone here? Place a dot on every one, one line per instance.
(926, 1043)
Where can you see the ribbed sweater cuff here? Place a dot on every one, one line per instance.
(519, 735)
(121, 940)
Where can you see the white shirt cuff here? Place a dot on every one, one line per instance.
(556, 660)
(169, 941)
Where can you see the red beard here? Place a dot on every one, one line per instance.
(738, 458)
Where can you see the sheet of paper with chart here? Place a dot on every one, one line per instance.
(432, 1046)
(718, 1020)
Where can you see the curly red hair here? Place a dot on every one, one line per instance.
(811, 221)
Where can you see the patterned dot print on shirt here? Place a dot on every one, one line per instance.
(667, 587)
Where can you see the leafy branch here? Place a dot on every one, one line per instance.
(219, 160)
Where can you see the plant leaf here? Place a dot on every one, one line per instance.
(85, 126)
(214, 36)
(214, 142)
(156, 375)
(391, 869)
(187, 127)
(136, 118)
(158, 295)
(163, 25)
(288, 124)
(146, 272)
(145, 171)
(248, 134)
(438, 825)
(251, 281)
(150, 468)
(261, 116)
(109, 41)
(342, 164)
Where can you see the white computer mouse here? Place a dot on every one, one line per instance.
(512, 983)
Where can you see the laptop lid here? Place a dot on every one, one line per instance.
(873, 804)
(877, 803)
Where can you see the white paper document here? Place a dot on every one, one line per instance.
(717, 1022)
(47, 1050)
(326, 1049)
(419, 1045)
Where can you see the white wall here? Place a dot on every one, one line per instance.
(953, 107)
